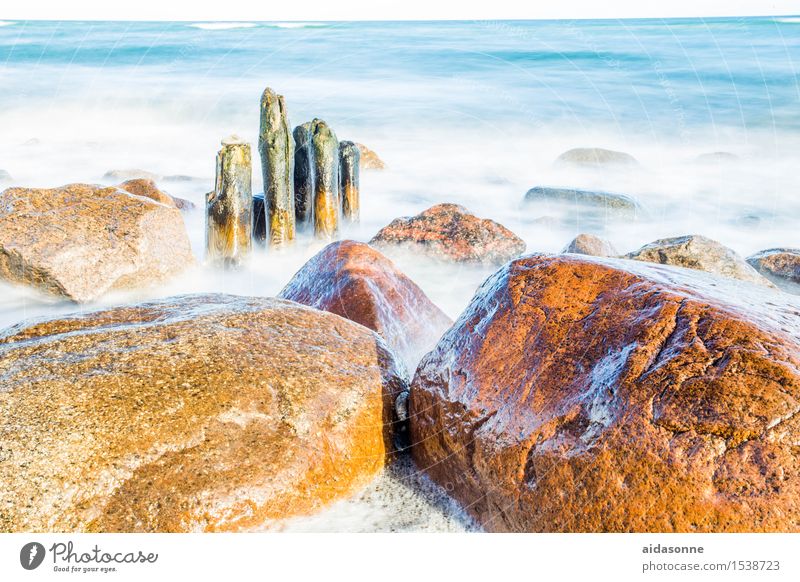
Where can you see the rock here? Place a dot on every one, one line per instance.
(183, 204)
(781, 266)
(303, 176)
(148, 189)
(229, 208)
(327, 208)
(349, 189)
(584, 394)
(193, 413)
(276, 146)
(5, 176)
(355, 281)
(130, 174)
(179, 178)
(596, 157)
(80, 241)
(589, 244)
(701, 253)
(449, 232)
(613, 204)
(369, 160)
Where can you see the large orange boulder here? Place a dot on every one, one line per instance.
(194, 413)
(449, 232)
(355, 281)
(589, 394)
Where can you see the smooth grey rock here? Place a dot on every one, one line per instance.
(781, 266)
(589, 244)
(596, 157)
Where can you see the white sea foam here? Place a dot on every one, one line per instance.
(789, 20)
(295, 24)
(223, 25)
(6, 22)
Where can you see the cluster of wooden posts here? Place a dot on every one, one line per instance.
(311, 185)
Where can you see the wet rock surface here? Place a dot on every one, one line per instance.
(80, 241)
(701, 253)
(781, 266)
(588, 394)
(355, 281)
(193, 413)
(589, 244)
(596, 157)
(450, 232)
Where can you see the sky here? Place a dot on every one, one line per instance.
(232, 10)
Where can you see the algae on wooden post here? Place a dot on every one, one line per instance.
(349, 158)
(229, 208)
(326, 180)
(303, 176)
(276, 146)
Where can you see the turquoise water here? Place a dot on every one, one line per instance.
(466, 112)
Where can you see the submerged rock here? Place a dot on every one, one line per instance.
(781, 266)
(355, 281)
(369, 160)
(596, 157)
(194, 413)
(80, 241)
(584, 394)
(717, 157)
(618, 204)
(701, 253)
(449, 232)
(589, 244)
(131, 174)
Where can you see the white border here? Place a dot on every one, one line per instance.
(265, 10)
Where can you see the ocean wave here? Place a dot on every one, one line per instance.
(222, 25)
(6, 23)
(789, 20)
(295, 24)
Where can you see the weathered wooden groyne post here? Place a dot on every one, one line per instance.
(276, 147)
(303, 176)
(326, 180)
(229, 208)
(349, 159)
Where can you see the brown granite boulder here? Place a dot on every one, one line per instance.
(449, 232)
(193, 413)
(369, 159)
(581, 394)
(701, 253)
(596, 157)
(148, 189)
(781, 266)
(80, 241)
(589, 244)
(355, 281)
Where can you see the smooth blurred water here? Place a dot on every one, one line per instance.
(466, 112)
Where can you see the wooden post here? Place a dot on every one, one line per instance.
(229, 208)
(326, 180)
(276, 146)
(303, 176)
(349, 159)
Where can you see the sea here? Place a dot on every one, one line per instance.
(468, 112)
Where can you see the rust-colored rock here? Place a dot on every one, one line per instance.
(587, 394)
(369, 160)
(449, 232)
(80, 241)
(781, 266)
(194, 413)
(148, 189)
(355, 281)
